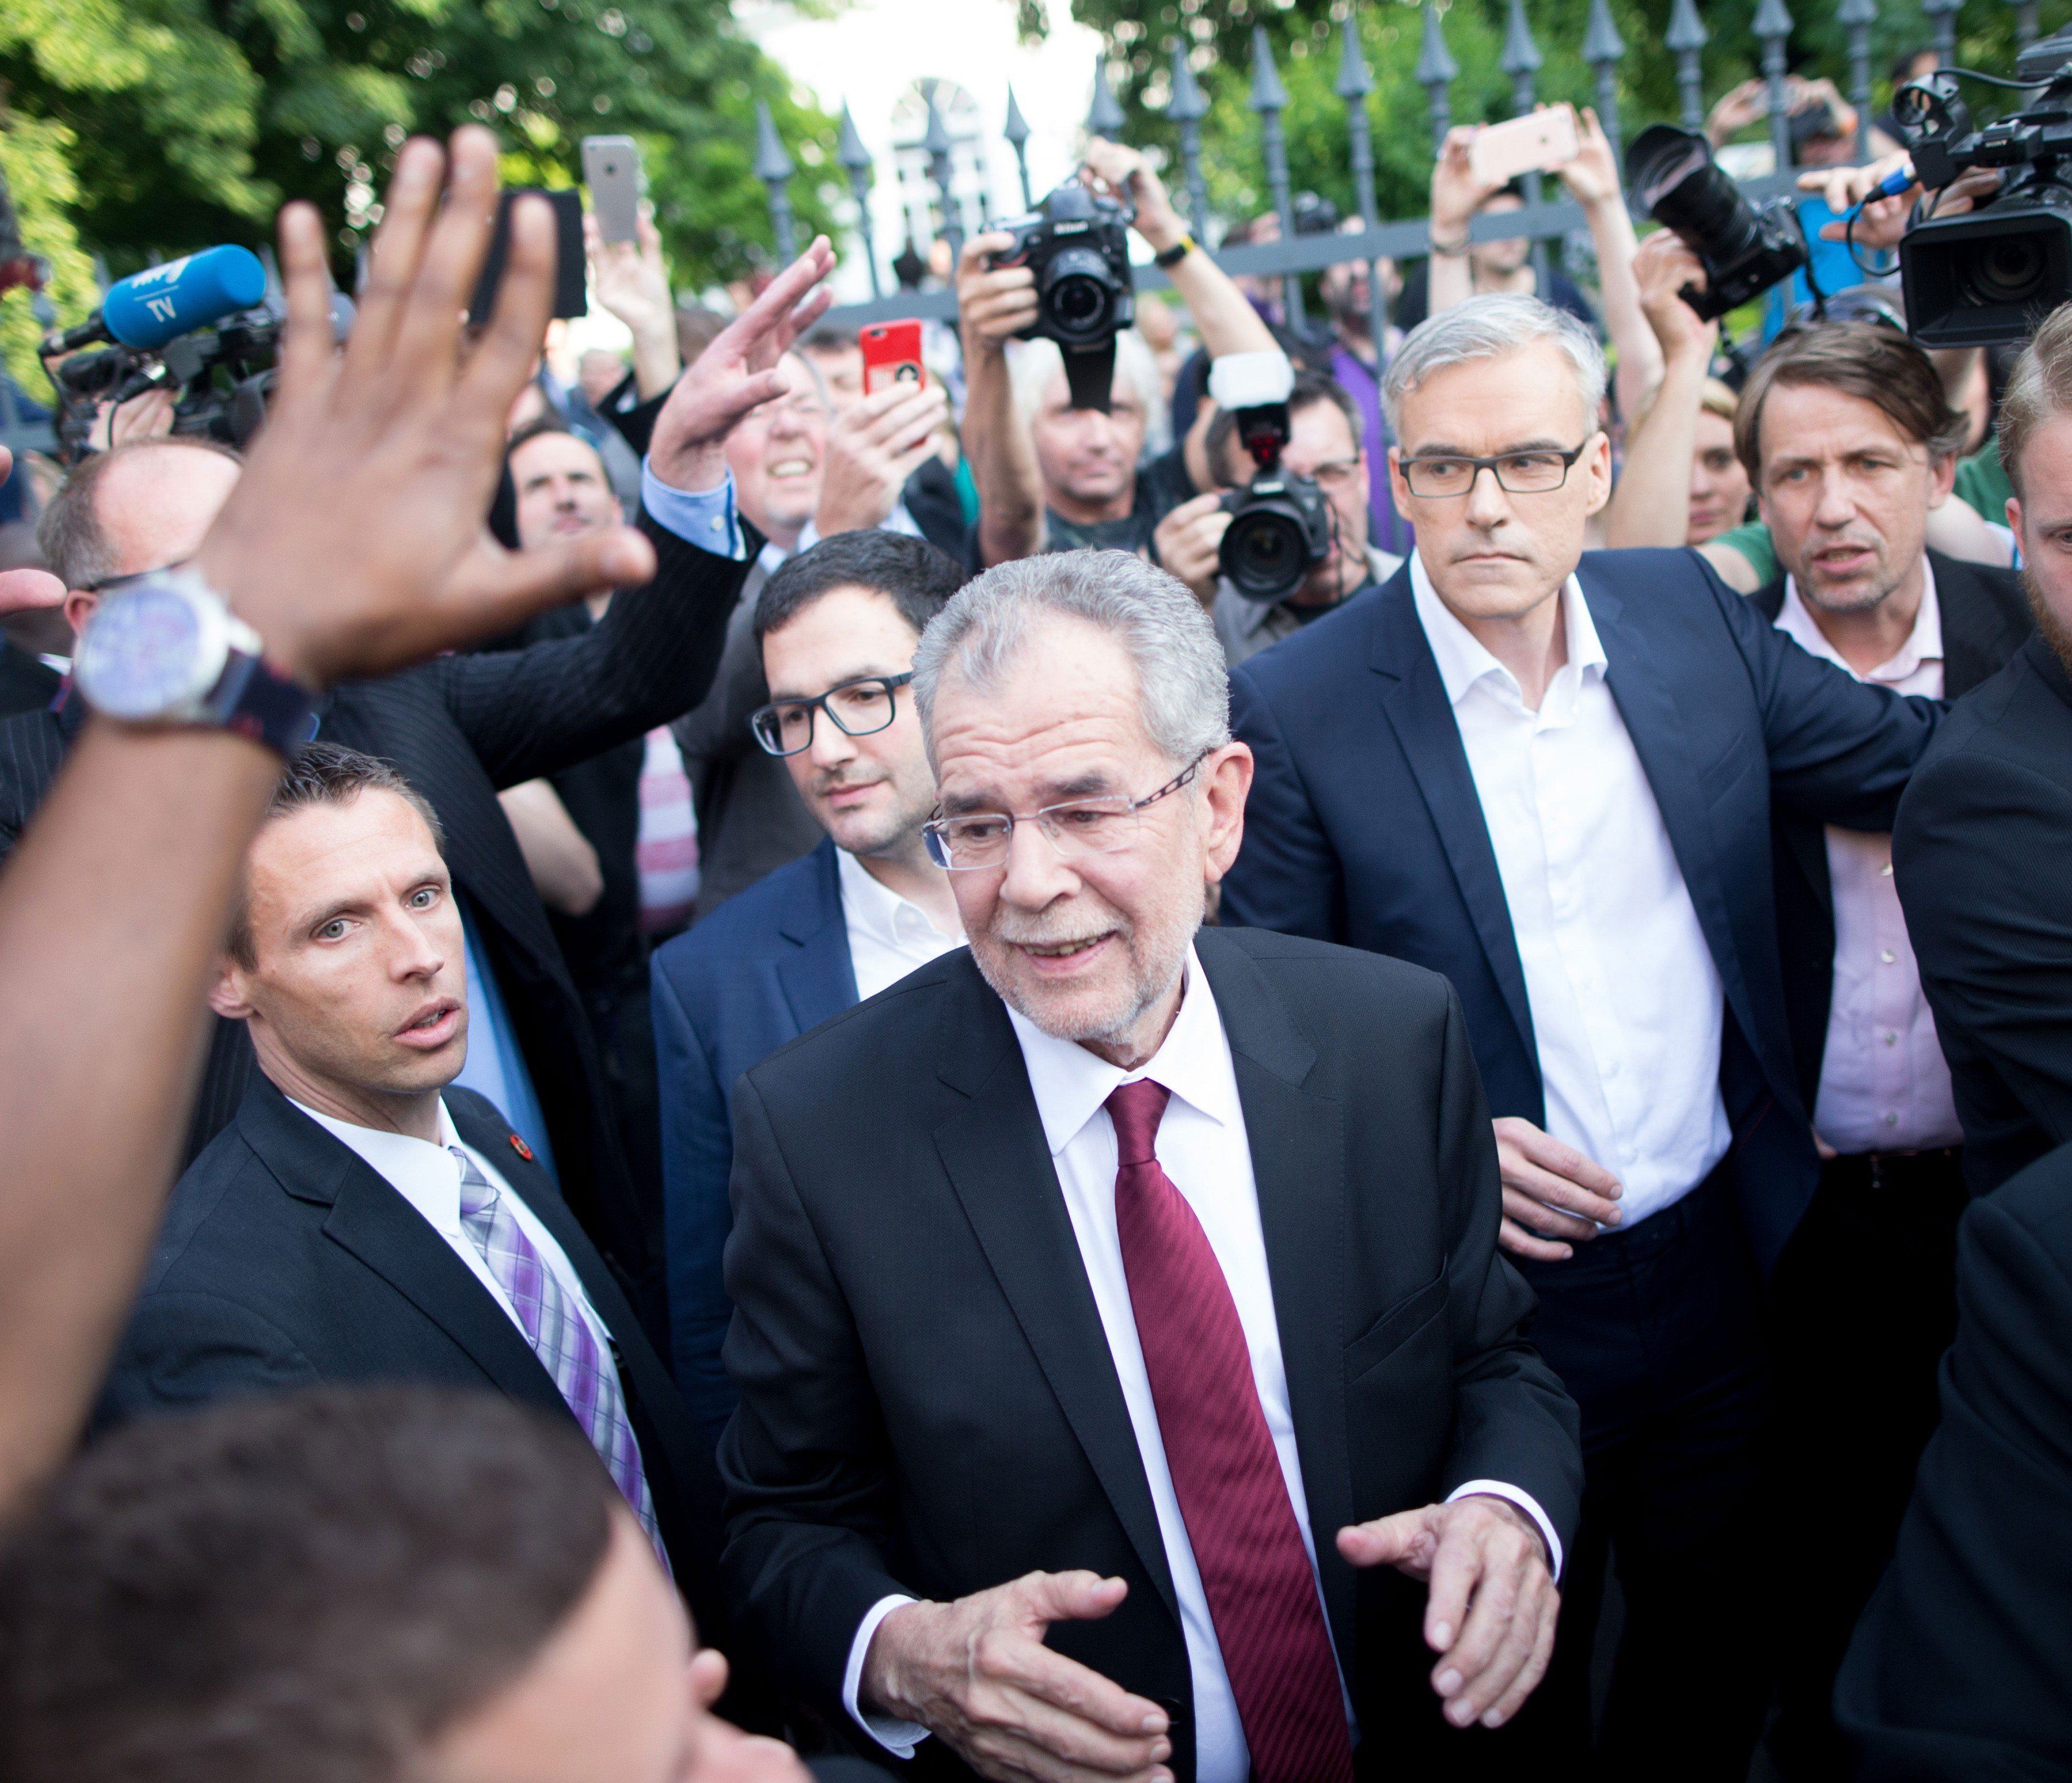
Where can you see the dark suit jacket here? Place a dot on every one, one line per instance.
(928, 1403)
(1983, 854)
(459, 728)
(1961, 1669)
(285, 1261)
(1985, 618)
(1364, 825)
(759, 972)
(26, 685)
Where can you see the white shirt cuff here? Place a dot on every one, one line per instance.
(899, 1738)
(1525, 1501)
(703, 517)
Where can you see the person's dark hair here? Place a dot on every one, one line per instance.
(315, 1586)
(1867, 360)
(2039, 389)
(328, 773)
(913, 574)
(69, 531)
(828, 337)
(1311, 388)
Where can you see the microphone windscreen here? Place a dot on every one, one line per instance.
(161, 303)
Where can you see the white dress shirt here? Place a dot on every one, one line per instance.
(1883, 1084)
(1203, 1147)
(889, 935)
(428, 1177)
(1626, 1003)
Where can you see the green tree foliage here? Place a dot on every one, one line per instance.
(1305, 36)
(36, 157)
(191, 121)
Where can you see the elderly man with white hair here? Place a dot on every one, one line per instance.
(1549, 774)
(1132, 1283)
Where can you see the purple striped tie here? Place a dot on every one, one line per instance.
(1256, 1573)
(560, 1336)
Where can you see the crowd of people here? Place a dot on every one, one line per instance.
(711, 1074)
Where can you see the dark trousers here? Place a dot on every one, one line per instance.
(1656, 1333)
(1862, 1306)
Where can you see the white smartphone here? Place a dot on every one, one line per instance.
(612, 170)
(1537, 142)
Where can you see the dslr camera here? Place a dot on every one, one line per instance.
(1281, 525)
(1077, 244)
(1744, 248)
(1992, 274)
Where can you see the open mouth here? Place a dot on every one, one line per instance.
(432, 1026)
(1061, 957)
(792, 467)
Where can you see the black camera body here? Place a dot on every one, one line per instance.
(1990, 275)
(1744, 248)
(1077, 244)
(1280, 524)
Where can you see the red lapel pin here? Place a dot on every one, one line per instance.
(521, 1148)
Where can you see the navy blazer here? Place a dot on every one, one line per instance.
(1364, 826)
(770, 963)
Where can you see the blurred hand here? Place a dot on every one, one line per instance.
(1456, 194)
(1491, 1613)
(1662, 267)
(1187, 540)
(975, 1673)
(1737, 109)
(873, 445)
(1550, 1187)
(146, 416)
(737, 373)
(994, 303)
(1592, 173)
(26, 591)
(632, 278)
(718, 1751)
(1125, 174)
(355, 542)
(1882, 221)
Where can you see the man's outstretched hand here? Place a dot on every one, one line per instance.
(1491, 1612)
(355, 541)
(26, 591)
(975, 1673)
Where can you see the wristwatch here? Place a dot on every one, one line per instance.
(165, 649)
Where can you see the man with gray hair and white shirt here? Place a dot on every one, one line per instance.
(1549, 774)
(1133, 1283)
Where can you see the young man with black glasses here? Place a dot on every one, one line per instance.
(837, 626)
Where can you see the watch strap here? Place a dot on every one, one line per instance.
(260, 702)
(1166, 258)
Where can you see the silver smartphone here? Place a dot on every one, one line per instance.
(612, 170)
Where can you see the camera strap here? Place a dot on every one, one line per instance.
(1090, 375)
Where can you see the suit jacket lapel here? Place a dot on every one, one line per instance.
(999, 1163)
(1414, 699)
(817, 974)
(1977, 636)
(374, 1224)
(1298, 1163)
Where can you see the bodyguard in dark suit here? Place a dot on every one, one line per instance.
(28, 684)
(1566, 809)
(354, 1224)
(1960, 1671)
(1132, 1281)
(836, 627)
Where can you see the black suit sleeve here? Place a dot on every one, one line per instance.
(185, 1349)
(1513, 1420)
(1286, 877)
(1981, 855)
(1840, 750)
(535, 711)
(1960, 1669)
(805, 1459)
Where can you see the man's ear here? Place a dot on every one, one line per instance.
(227, 994)
(1229, 783)
(78, 606)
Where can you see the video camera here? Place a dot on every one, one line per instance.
(1077, 244)
(1744, 248)
(1991, 275)
(1280, 524)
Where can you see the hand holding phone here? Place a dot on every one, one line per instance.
(892, 356)
(1537, 142)
(612, 170)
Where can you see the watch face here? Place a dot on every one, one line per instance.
(141, 655)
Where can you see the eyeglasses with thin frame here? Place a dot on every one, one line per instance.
(857, 708)
(1537, 471)
(101, 584)
(975, 841)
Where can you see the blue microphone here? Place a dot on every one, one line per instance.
(161, 303)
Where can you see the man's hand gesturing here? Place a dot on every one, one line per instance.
(873, 445)
(1491, 1613)
(975, 1673)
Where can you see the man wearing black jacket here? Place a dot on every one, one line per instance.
(1850, 444)
(461, 727)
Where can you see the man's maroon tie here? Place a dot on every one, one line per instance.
(1262, 1592)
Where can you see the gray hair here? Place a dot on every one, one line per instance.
(1491, 327)
(1183, 690)
(1034, 365)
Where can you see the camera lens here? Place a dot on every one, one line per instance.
(1265, 553)
(2007, 268)
(1077, 302)
(1682, 187)
(1078, 293)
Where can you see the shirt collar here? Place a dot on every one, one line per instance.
(879, 911)
(1464, 659)
(425, 1175)
(1924, 643)
(1070, 1083)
